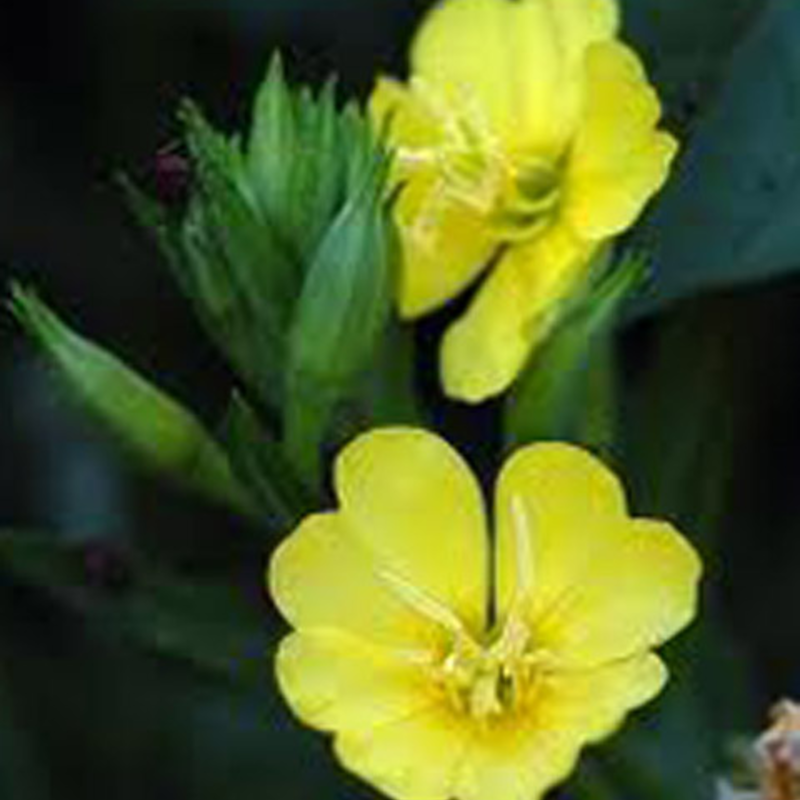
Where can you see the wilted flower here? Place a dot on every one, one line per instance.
(525, 139)
(773, 761)
(445, 671)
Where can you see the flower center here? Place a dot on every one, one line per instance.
(517, 194)
(484, 681)
(488, 682)
(528, 201)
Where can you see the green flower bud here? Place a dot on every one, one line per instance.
(153, 428)
(287, 251)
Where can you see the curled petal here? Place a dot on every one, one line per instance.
(516, 64)
(446, 244)
(484, 351)
(411, 124)
(619, 160)
(446, 239)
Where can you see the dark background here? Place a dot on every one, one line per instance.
(88, 87)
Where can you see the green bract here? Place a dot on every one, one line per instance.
(285, 249)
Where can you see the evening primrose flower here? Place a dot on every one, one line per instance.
(448, 667)
(525, 139)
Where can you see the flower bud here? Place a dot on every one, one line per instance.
(153, 428)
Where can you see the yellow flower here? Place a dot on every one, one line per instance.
(525, 139)
(445, 672)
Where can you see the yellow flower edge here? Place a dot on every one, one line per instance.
(436, 685)
(525, 138)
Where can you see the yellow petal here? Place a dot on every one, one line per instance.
(484, 351)
(446, 244)
(525, 756)
(338, 682)
(446, 241)
(605, 586)
(594, 702)
(433, 753)
(517, 761)
(638, 591)
(416, 507)
(513, 66)
(619, 160)
(547, 494)
(416, 758)
(322, 576)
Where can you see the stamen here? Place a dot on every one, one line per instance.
(416, 156)
(517, 194)
(466, 154)
(420, 601)
(522, 526)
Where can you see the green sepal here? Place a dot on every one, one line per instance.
(296, 157)
(246, 274)
(341, 316)
(153, 429)
(566, 392)
(250, 241)
(271, 146)
(217, 296)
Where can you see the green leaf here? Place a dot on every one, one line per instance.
(686, 47)
(22, 775)
(731, 212)
(205, 623)
(690, 413)
(152, 428)
(565, 391)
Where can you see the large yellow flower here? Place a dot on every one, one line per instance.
(525, 139)
(444, 673)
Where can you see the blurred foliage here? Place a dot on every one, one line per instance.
(568, 390)
(732, 211)
(130, 669)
